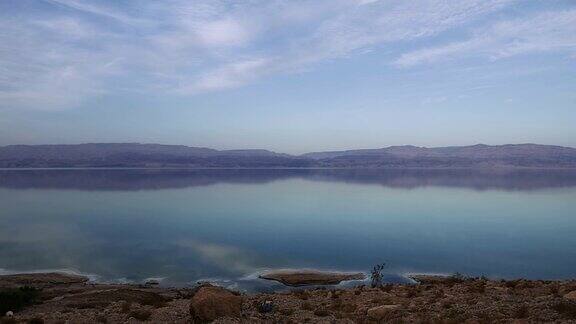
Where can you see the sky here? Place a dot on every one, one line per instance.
(288, 75)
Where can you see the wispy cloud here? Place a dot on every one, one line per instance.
(98, 10)
(544, 32)
(76, 49)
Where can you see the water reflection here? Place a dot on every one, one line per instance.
(150, 179)
(229, 224)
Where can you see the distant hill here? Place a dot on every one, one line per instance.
(510, 155)
(156, 155)
(140, 155)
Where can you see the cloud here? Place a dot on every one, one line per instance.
(229, 258)
(98, 10)
(359, 27)
(224, 32)
(544, 32)
(69, 51)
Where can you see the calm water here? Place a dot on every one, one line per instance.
(188, 225)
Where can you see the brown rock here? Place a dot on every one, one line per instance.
(571, 295)
(381, 312)
(310, 277)
(430, 279)
(99, 299)
(40, 280)
(211, 302)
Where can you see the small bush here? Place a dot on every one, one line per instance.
(286, 311)
(387, 287)
(412, 292)
(36, 320)
(336, 304)
(125, 307)
(566, 308)
(457, 278)
(349, 308)
(376, 276)
(554, 290)
(512, 283)
(477, 287)
(306, 306)
(521, 312)
(17, 299)
(302, 294)
(141, 314)
(321, 312)
(8, 320)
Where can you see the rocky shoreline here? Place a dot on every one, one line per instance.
(63, 298)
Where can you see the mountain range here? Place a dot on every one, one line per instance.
(167, 156)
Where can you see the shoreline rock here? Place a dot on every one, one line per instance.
(298, 278)
(40, 280)
(470, 300)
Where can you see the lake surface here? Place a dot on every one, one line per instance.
(189, 225)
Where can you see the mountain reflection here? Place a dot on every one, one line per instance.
(149, 179)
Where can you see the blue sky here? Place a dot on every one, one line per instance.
(288, 75)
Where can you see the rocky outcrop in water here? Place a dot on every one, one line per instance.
(297, 278)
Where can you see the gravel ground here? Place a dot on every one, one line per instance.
(434, 300)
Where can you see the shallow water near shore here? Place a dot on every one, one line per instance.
(227, 225)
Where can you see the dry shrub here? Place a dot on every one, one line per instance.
(566, 308)
(349, 308)
(521, 311)
(412, 292)
(554, 289)
(386, 287)
(125, 307)
(302, 294)
(8, 320)
(141, 314)
(336, 304)
(511, 283)
(321, 312)
(286, 311)
(18, 298)
(477, 287)
(306, 306)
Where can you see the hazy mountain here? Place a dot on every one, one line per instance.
(512, 155)
(140, 155)
(156, 155)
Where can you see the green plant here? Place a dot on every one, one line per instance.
(18, 298)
